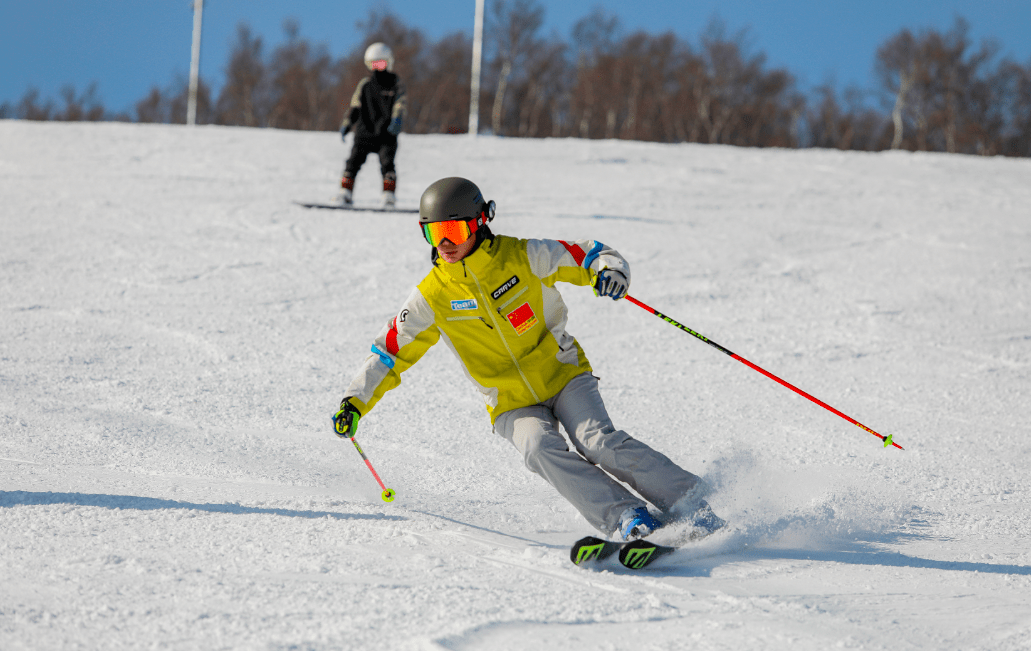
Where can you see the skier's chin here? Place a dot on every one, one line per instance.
(452, 253)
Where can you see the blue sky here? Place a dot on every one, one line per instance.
(128, 46)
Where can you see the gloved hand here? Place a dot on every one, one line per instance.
(395, 126)
(344, 129)
(345, 421)
(611, 283)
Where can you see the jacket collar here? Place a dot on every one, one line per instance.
(477, 262)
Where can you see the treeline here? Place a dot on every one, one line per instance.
(936, 91)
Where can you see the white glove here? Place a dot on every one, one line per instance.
(611, 283)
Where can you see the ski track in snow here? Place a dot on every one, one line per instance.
(175, 334)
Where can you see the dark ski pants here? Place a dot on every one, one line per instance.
(385, 147)
(584, 475)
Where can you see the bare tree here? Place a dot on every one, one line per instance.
(595, 37)
(29, 108)
(731, 78)
(512, 27)
(301, 81)
(896, 64)
(542, 94)
(945, 88)
(80, 107)
(153, 108)
(245, 97)
(77, 107)
(441, 100)
(940, 91)
(1016, 140)
(844, 125)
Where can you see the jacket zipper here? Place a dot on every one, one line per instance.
(501, 334)
(470, 318)
(513, 299)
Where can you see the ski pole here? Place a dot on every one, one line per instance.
(388, 493)
(887, 439)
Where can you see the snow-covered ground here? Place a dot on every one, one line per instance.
(175, 334)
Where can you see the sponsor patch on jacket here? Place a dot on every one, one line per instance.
(522, 318)
(467, 304)
(509, 284)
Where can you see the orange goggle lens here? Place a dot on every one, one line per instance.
(380, 64)
(456, 231)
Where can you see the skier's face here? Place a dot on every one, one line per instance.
(452, 252)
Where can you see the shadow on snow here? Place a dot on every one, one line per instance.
(888, 559)
(850, 555)
(24, 498)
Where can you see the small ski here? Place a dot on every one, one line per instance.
(339, 206)
(633, 555)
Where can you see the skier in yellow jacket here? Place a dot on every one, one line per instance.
(492, 299)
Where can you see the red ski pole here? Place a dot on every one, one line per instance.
(887, 439)
(388, 493)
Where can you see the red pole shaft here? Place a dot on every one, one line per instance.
(886, 439)
(368, 463)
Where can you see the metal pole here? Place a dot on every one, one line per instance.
(886, 439)
(191, 106)
(388, 493)
(474, 86)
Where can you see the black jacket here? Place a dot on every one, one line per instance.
(377, 100)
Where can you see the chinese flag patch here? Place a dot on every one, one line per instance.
(522, 318)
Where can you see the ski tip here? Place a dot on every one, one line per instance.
(586, 549)
(638, 554)
(633, 555)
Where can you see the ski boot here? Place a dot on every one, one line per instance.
(345, 198)
(636, 523)
(389, 186)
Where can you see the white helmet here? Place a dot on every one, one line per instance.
(378, 52)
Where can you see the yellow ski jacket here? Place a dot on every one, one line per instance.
(500, 314)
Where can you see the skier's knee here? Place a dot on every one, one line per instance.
(536, 445)
(607, 438)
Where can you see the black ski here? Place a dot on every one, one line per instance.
(633, 555)
(338, 206)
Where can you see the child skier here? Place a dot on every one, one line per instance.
(376, 115)
(493, 299)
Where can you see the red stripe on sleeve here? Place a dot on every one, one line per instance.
(392, 346)
(575, 251)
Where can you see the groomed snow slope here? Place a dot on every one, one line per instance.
(175, 334)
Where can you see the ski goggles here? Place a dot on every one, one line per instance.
(457, 231)
(379, 64)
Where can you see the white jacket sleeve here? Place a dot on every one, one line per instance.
(577, 262)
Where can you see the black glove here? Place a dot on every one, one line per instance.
(611, 283)
(345, 421)
(394, 127)
(344, 129)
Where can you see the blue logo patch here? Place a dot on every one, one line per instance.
(467, 304)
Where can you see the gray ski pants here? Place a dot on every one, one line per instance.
(582, 475)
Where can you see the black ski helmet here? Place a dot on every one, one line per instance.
(453, 198)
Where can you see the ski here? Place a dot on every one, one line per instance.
(338, 206)
(633, 555)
